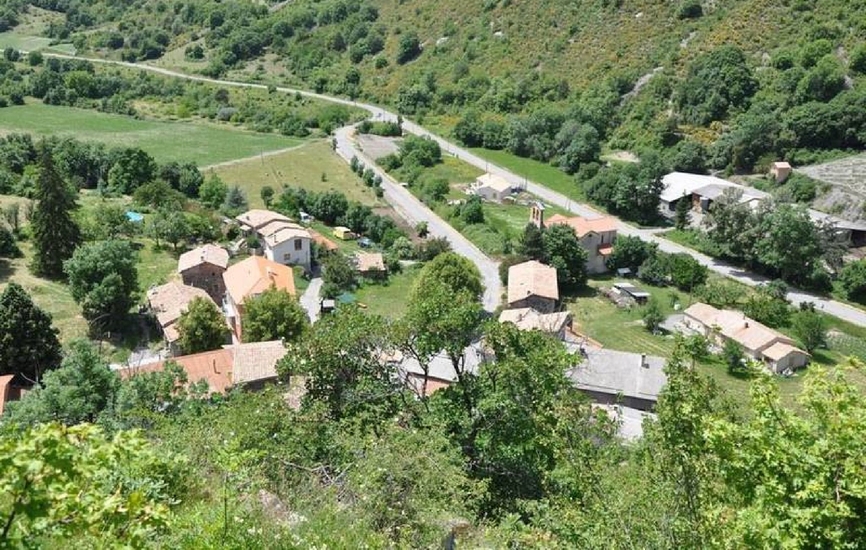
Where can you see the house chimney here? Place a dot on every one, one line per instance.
(643, 362)
(215, 371)
(746, 324)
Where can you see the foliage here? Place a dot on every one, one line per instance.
(80, 390)
(652, 315)
(630, 190)
(734, 357)
(853, 280)
(340, 359)
(28, 342)
(213, 192)
(562, 250)
(531, 244)
(682, 217)
(810, 328)
(274, 315)
(170, 226)
(686, 273)
(103, 279)
(338, 275)
(717, 82)
(630, 252)
(78, 483)
(202, 327)
(456, 272)
(55, 234)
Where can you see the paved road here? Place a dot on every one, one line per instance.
(310, 298)
(416, 210)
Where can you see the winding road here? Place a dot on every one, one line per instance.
(414, 211)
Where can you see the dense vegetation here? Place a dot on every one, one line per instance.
(546, 80)
(509, 455)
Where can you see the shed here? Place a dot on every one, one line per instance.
(629, 289)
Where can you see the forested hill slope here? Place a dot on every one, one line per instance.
(731, 83)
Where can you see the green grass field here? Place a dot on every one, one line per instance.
(203, 144)
(389, 299)
(539, 172)
(304, 167)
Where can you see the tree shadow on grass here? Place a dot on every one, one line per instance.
(7, 270)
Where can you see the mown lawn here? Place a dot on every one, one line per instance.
(388, 299)
(201, 143)
(533, 170)
(314, 167)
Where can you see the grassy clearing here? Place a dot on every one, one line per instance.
(314, 167)
(201, 143)
(533, 170)
(388, 299)
(154, 267)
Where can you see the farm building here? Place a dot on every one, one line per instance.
(778, 352)
(557, 324)
(491, 187)
(780, 171)
(532, 284)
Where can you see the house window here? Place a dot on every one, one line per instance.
(287, 257)
(298, 244)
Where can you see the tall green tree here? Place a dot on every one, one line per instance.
(79, 391)
(454, 271)
(682, 217)
(338, 275)
(810, 328)
(274, 315)
(55, 233)
(213, 191)
(28, 341)
(202, 327)
(531, 243)
(235, 201)
(341, 359)
(563, 251)
(103, 279)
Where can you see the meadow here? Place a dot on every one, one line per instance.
(201, 143)
(314, 167)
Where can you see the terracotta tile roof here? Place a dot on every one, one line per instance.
(532, 278)
(256, 361)
(170, 300)
(497, 183)
(257, 218)
(527, 318)
(256, 274)
(206, 254)
(214, 367)
(582, 226)
(369, 261)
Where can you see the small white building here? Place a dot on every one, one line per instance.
(491, 187)
(780, 171)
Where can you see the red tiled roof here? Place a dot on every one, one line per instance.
(215, 367)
